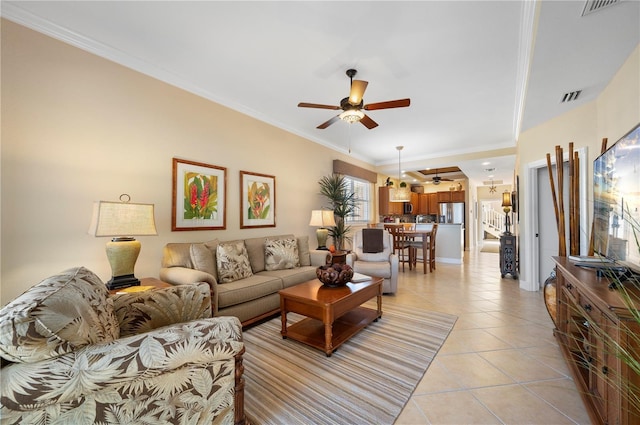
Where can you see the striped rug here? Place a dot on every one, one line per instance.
(367, 380)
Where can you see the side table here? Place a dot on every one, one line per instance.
(338, 257)
(146, 284)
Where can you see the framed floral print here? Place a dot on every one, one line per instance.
(258, 200)
(199, 196)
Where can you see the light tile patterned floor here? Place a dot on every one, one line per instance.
(501, 364)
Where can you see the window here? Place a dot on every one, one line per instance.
(362, 191)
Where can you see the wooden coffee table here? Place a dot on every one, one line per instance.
(333, 314)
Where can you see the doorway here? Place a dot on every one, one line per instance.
(540, 225)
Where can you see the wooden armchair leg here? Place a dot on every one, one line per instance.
(239, 416)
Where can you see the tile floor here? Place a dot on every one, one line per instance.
(500, 364)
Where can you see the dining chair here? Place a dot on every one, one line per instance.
(429, 256)
(401, 245)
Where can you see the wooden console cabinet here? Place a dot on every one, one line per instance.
(591, 321)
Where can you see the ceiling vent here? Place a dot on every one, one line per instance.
(596, 5)
(571, 96)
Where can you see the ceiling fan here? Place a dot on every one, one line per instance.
(353, 105)
(437, 179)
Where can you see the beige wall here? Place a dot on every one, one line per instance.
(77, 128)
(611, 115)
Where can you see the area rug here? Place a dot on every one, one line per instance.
(368, 380)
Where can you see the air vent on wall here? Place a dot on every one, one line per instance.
(595, 5)
(571, 96)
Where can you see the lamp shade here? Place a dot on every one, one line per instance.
(506, 199)
(322, 218)
(122, 219)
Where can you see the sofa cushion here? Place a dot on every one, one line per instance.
(202, 258)
(59, 315)
(291, 277)
(250, 288)
(373, 268)
(281, 254)
(232, 261)
(303, 250)
(255, 250)
(177, 255)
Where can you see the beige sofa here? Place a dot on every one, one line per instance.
(244, 275)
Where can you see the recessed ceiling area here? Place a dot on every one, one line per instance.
(477, 72)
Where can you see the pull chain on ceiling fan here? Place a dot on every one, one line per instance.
(353, 105)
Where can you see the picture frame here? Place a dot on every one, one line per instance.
(257, 200)
(199, 196)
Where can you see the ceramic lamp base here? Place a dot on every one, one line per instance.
(122, 256)
(322, 235)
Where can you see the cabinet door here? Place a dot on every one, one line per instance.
(415, 202)
(423, 203)
(457, 196)
(384, 206)
(444, 196)
(383, 201)
(434, 207)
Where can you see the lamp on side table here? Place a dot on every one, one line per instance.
(121, 221)
(322, 219)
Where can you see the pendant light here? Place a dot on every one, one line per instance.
(401, 194)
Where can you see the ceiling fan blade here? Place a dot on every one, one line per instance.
(328, 123)
(400, 103)
(368, 122)
(357, 91)
(317, 105)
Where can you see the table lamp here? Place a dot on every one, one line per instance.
(121, 221)
(506, 207)
(322, 219)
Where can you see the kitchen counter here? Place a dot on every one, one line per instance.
(449, 241)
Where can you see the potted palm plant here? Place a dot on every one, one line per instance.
(335, 188)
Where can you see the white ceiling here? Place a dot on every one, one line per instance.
(477, 72)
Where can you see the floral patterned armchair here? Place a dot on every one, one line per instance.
(74, 354)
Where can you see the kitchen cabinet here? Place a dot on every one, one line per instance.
(451, 196)
(434, 208)
(384, 206)
(415, 202)
(457, 196)
(428, 203)
(423, 203)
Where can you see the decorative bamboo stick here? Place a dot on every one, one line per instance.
(572, 201)
(562, 237)
(553, 194)
(603, 147)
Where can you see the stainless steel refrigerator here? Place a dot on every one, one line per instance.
(452, 213)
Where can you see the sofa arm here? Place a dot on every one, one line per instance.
(187, 276)
(351, 258)
(192, 361)
(318, 257)
(140, 312)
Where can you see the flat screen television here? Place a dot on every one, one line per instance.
(616, 197)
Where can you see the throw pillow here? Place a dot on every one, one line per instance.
(202, 258)
(303, 251)
(232, 261)
(59, 315)
(281, 254)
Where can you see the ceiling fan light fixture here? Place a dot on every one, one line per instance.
(352, 115)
